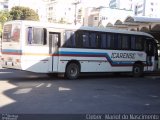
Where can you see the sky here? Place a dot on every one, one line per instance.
(88, 3)
(95, 3)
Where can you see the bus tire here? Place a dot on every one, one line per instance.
(72, 71)
(137, 70)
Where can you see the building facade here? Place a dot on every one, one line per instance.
(114, 4)
(3, 4)
(64, 11)
(121, 4)
(147, 8)
(103, 16)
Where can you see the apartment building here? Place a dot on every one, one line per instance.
(147, 8)
(114, 4)
(121, 4)
(3, 4)
(57, 11)
(102, 16)
(65, 11)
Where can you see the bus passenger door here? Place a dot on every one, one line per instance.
(54, 38)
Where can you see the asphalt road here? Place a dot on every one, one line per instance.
(24, 92)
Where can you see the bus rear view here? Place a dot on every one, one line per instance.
(11, 46)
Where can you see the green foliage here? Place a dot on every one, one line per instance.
(17, 13)
(0, 30)
(23, 13)
(4, 16)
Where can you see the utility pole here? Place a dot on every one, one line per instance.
(75, 11)
(144, 8)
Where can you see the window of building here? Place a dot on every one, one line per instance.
(139, 12)
(95, 18)
(50, 8)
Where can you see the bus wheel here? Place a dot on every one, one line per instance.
(137, 70)
(72, 71)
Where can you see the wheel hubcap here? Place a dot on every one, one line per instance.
(73, 71)
(136, 70)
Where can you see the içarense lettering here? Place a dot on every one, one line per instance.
(123, 55)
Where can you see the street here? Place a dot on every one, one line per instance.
(25, 92)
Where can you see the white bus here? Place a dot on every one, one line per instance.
(70, 50)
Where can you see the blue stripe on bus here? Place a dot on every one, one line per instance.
(11, 51)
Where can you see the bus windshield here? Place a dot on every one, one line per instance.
(11, 33)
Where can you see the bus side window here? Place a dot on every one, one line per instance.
(139, 43)
(136, 43)
(146, 45)
(98, 40)
(16, 33)
(103, 41)
(69, 39)
(7, 30)
(93, 39)
(85, 38)
(78, 39)
(119, 42)
(36, 36)
(133, 42)
(125, 42)
(30, 35)
(110, 41)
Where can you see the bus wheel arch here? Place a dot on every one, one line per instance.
(73, 69)
(138, 69)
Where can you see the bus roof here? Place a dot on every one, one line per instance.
(76, 27)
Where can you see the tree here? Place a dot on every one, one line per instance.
(4, 16)
(23, 13)
(0, 30)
